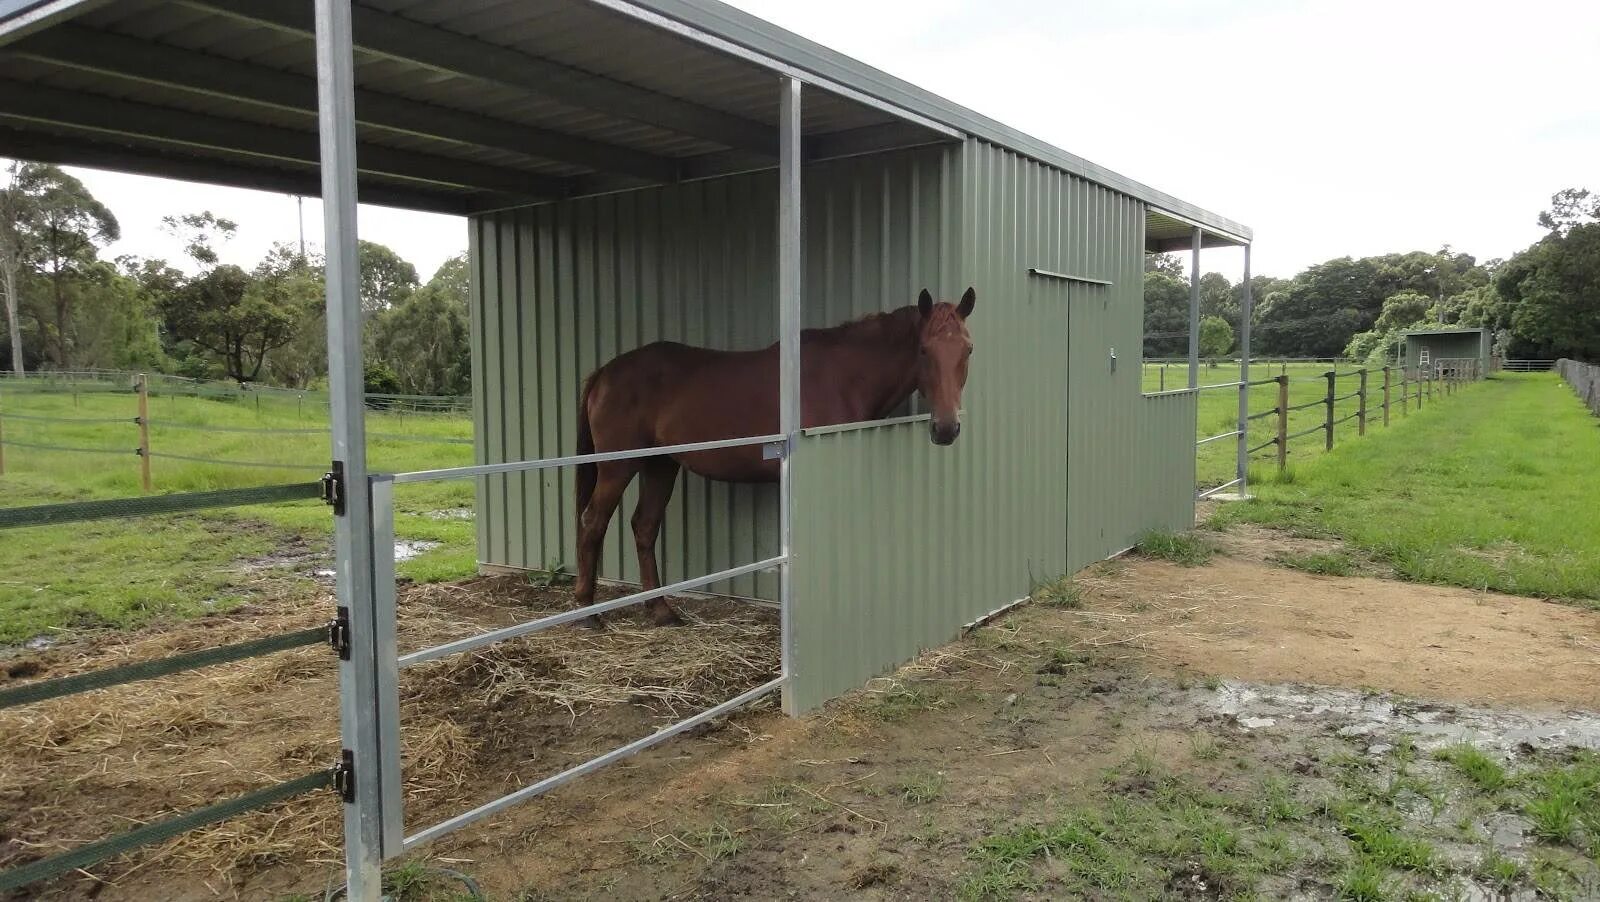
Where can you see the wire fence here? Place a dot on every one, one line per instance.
(1178, 377)
(1584, 379)
(144, 434)
(1379, 395)
(27, 691)
(78, 382)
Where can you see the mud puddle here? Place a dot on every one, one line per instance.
(1381, 718)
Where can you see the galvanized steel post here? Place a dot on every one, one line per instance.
(789, 269)
(1245, 305)
(358, 690)
(1194, 311)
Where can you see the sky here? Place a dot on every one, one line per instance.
(1331, 127)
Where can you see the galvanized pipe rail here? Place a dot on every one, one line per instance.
(390, 805)
(41, 691)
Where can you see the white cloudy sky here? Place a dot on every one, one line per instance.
(1331, 127)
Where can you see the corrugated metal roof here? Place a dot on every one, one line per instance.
(595, 94)
(1459, 330)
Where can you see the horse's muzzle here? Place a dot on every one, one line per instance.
(944, 433)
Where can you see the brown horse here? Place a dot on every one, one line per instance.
(667, 393)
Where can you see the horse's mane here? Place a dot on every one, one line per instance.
(883, 326)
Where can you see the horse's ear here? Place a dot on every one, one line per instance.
(968, 301)
(925, 303)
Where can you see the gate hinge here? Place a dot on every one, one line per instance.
(339, 633)
(775, 450)
(344, 775)
(333, 487)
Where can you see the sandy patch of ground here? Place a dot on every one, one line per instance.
(1239, 619)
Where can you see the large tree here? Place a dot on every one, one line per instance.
(454, 278)
(1554, 289)
(200, 233)
(425, 343)
(295, 282)
(1216, 337)
(226, 313)
(386, 278)
(62, 227)
(1166, 315)
(16, 250)
(1329, 303)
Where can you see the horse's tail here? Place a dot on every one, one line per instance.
(587, 473)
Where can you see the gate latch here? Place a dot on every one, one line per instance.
(333, 487)
(344, 775)
(339, 633)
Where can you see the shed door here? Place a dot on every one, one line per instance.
(1102, 380)
(1043, 457)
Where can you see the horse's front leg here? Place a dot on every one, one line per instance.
(656, 481)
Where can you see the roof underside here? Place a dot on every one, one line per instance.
(463, 106)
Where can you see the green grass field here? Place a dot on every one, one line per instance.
(124, 573)
(1497, 488)
(1219, 410)
(1493, 488)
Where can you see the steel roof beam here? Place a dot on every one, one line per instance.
(167, 125)
(396, 37)
(61, 151)
(103, 52)
(869, 139)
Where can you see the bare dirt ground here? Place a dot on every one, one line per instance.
(1183, 732)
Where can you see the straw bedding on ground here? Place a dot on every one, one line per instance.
(475, 724)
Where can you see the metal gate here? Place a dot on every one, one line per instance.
(370, 703)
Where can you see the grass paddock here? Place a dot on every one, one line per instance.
(1495, 489)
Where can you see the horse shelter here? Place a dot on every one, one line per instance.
(635, 170)
(1462, 351)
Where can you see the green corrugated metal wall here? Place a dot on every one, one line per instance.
(898, 542)
(1061, 461)
(563, 288)
(1449, 345)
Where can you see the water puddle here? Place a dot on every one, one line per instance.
(404, 550)
(450, 513)
(1379, 718)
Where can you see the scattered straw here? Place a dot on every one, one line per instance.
(474, 725)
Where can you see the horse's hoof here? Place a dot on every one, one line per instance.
(665, 617)
(591, 622)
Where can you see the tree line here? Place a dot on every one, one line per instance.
(1542, 303)
(68, 308)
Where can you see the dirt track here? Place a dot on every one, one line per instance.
(1035, 708)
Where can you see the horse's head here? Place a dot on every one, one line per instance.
(943, 348)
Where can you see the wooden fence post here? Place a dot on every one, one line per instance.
(1386, 397)
(1283, 423)
(1405, 392)
(1328, 425)
(144, 431)
(1361, 402)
